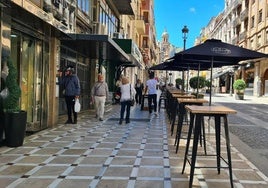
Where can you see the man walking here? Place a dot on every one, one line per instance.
(99, 93)
(151, 85)
(71, 88)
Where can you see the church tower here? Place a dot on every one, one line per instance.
(165, 46)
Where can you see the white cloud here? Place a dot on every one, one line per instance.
(192, 9)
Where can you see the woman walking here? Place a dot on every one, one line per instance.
(127, 94)
(139, 90)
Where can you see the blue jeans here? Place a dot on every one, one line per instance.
(125, 106)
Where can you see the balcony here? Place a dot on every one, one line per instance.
(140, 25)
(82, 16)
(242, 36)
(244, 14)
(123, 6)
(237, 3)
(234, 40)
(237, 21)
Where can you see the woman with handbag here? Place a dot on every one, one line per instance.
(127, 96)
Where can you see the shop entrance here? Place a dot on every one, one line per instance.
(29, 54)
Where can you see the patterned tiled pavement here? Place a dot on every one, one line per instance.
(105, 154)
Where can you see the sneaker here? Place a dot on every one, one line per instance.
(120, 122)
(156, 114)
(101, 119)
(127, 121)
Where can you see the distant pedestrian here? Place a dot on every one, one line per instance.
(100, 93)
(139, 89)
(127, 94)
(151, 87)
(71, 91)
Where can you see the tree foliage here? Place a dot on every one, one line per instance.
(179, 81)
(239, 85)
(197, 82)
(11, 102)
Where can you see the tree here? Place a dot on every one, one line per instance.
(11, 102)
(197, 82)
(179, 82)
(239, 85)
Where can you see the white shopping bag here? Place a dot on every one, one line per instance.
(77, 105)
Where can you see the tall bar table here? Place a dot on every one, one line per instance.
(181, 113)
(197, 113)
(174, 107)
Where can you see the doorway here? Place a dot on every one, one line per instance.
(27, 53)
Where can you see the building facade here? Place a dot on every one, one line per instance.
(243, 23)
(44, 36)
(166, 51)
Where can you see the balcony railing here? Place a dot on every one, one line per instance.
(234, 40)
(236, 3)
(140, 24)
(236, 21)
(242, 36)
(244, 14)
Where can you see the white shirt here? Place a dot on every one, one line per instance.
(125, 92)
(151, 84)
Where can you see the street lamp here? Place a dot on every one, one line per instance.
(184, 31)
(231, 73)
(170, 75)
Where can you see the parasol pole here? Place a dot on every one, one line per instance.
(210, 87)
(197, 89)
(187, 86)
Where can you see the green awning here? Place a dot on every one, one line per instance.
(96, 46)
(132, 50)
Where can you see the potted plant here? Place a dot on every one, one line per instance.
(197, 83)
(13, 117)
(239, 86)
(179, 83)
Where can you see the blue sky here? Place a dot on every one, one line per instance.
(172, 15)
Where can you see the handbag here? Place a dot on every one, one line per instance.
(132, 101)
(77, 105)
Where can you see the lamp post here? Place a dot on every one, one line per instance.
(231, 73)
(170, 75)
(185, 31)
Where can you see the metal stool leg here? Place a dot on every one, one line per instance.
(228, 149)
(197, 131)
(218, 140)
(188, 141)
(178, 134)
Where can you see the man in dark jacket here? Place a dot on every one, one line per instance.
(71, 86)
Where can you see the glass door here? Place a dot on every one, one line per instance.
(27, 77)
(30, 66)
